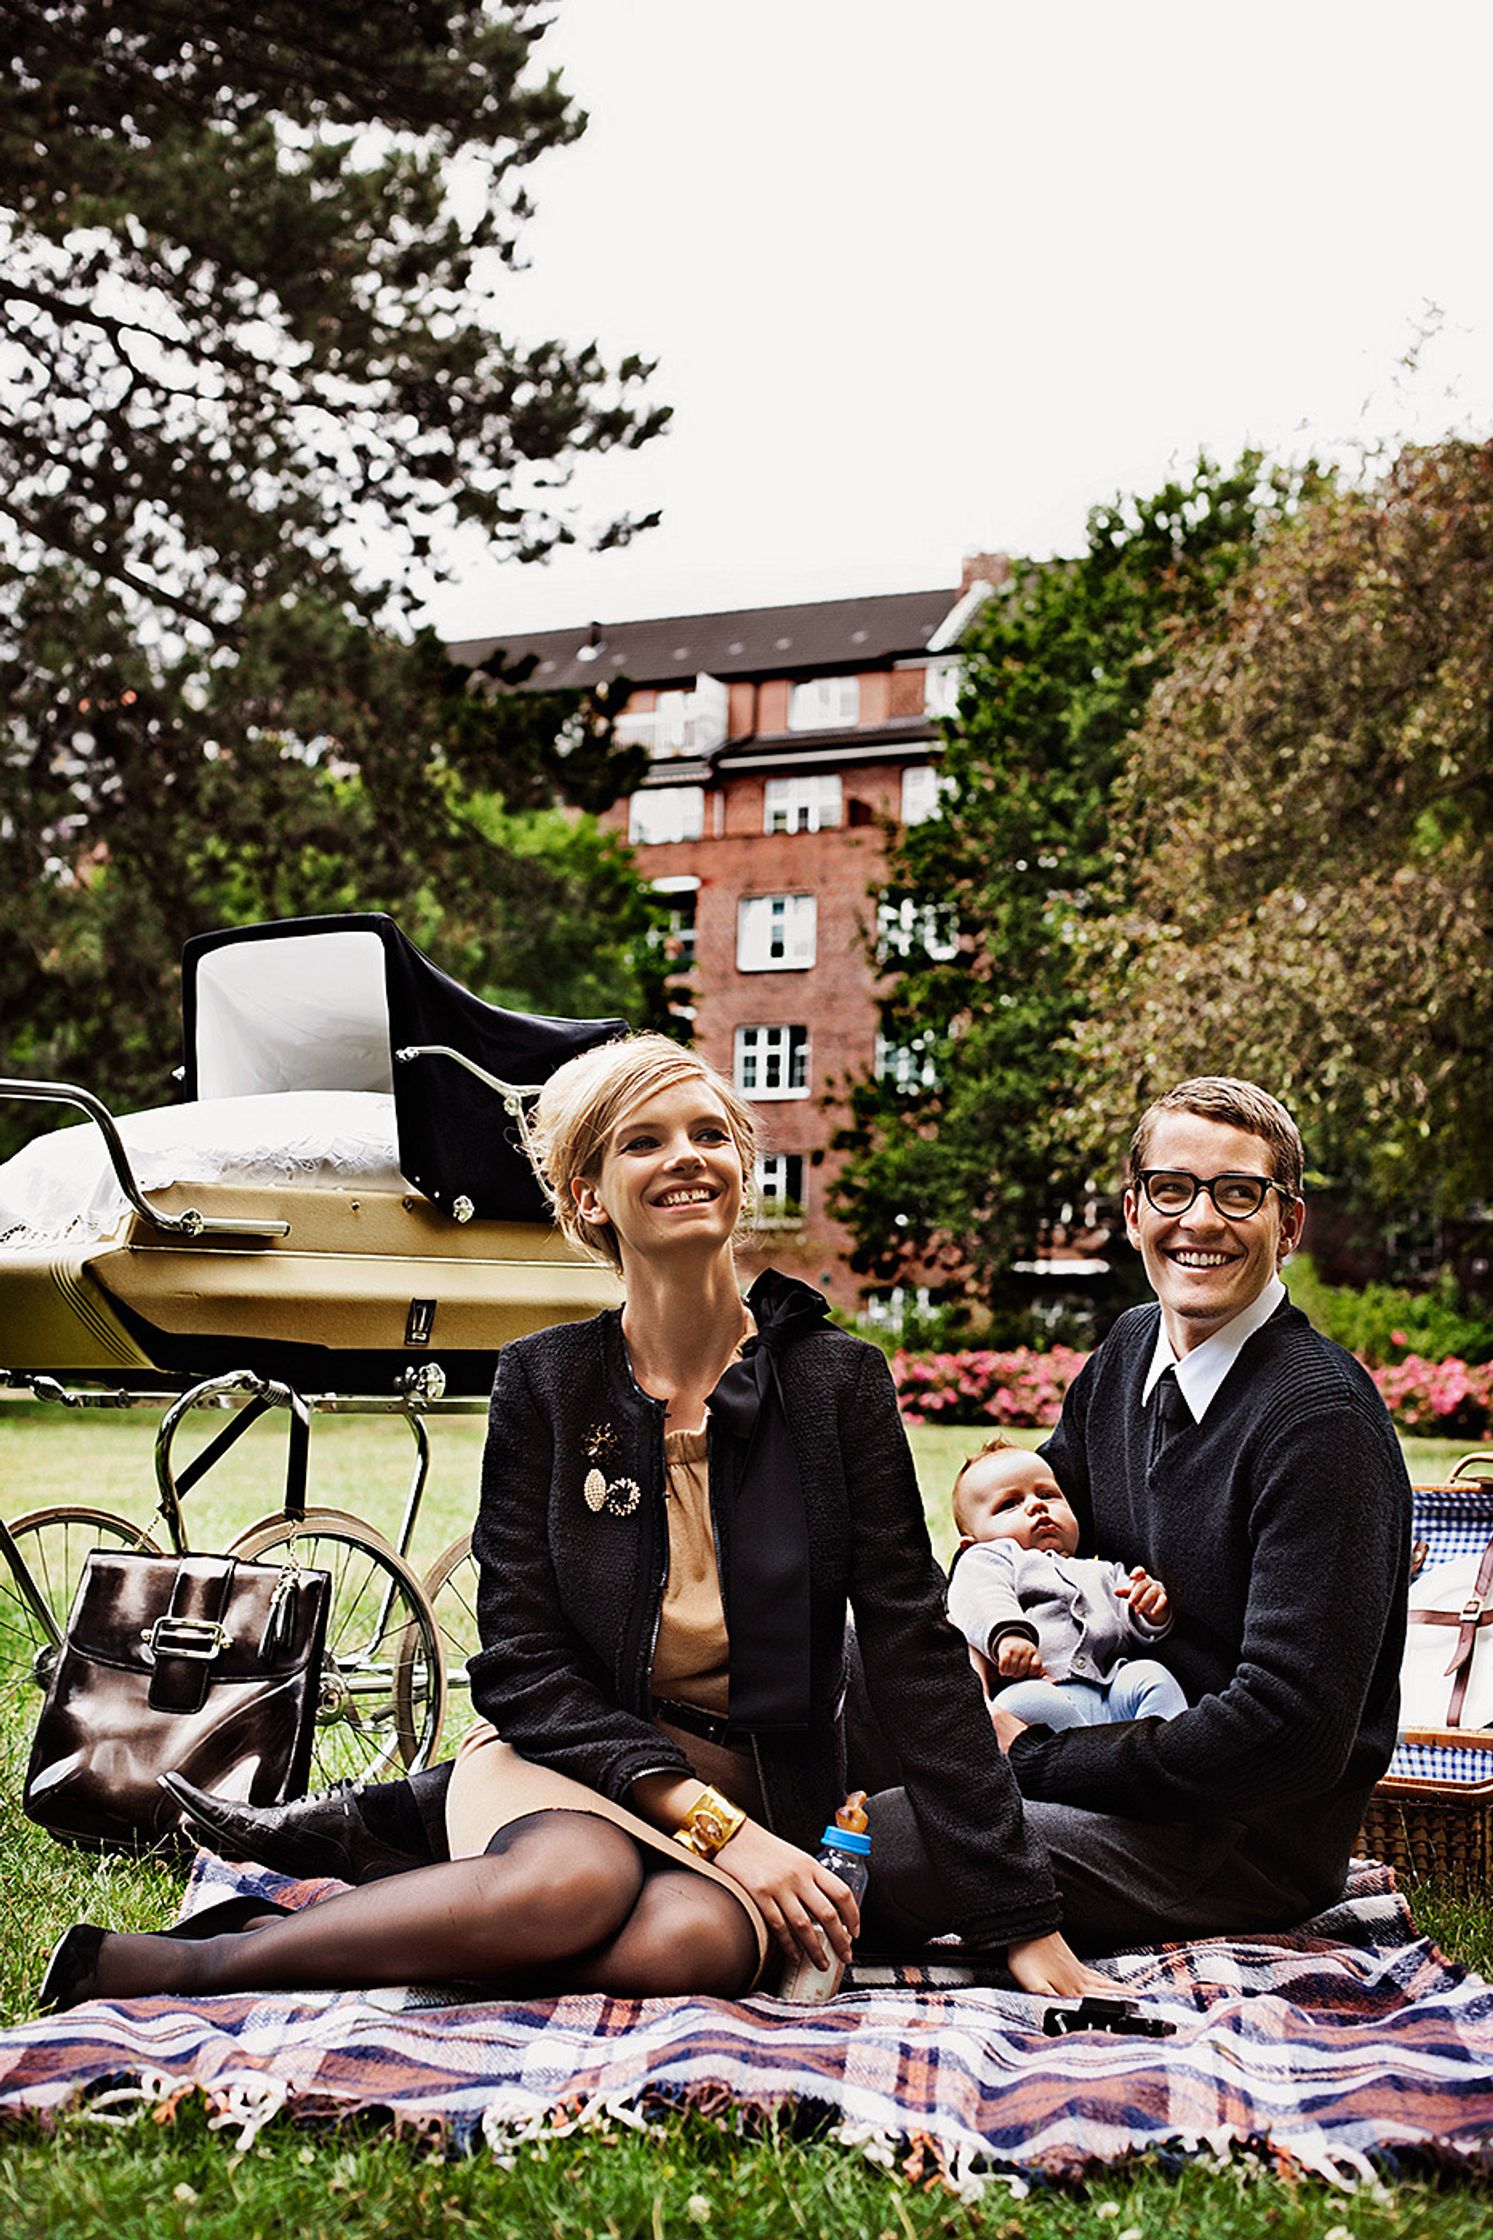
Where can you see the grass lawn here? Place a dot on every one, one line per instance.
(687, 2176)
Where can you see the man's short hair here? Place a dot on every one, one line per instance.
(1238, 1104)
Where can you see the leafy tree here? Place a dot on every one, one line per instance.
(1307, 825)
(251, 265)
(964, 1164)
(160, 801)
(251, 268)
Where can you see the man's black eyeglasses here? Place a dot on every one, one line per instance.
(1171, 1190)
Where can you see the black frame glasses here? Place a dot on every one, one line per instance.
(1248, 1190)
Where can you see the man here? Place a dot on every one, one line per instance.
(1217, 1441)
(1220, 1442)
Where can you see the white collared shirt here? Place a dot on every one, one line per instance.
(1201, 1372)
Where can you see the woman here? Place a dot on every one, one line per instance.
(679, 1498)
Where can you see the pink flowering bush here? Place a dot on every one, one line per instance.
(1444, 1399)
(1022, 1389)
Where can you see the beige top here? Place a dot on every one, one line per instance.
(690, 1655)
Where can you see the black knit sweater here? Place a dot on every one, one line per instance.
(570, 1593)
(1280, 1526)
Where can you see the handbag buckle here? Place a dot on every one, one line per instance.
(200, 1639)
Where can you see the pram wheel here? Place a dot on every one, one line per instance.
(451, 1590)
(54, 1544)
(383, 1692)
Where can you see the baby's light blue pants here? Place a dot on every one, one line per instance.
(1138, 1688)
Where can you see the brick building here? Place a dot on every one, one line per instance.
(783, 742)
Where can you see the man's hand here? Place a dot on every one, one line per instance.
(1047, 1966)
(1018, 1659)
(1006, 1724)
(1148, 1598)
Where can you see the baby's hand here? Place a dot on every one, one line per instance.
(1148, 1597)
(1016, 1659)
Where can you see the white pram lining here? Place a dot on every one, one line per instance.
(62, 1189)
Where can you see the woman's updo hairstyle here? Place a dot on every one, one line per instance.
(585, 1099)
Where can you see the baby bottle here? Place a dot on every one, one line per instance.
(846, 1851)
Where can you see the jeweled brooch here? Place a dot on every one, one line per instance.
(615, 1497)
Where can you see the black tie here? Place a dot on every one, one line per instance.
(1169, 1414)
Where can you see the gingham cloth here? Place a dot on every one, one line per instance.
(1453, 1521)
(1347, 2043)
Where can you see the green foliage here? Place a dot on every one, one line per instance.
(251, 265)
(1306, 822)
(1382, 1323)
(252, 270)
(145, 797)
(1058, 670)
(679, 2178)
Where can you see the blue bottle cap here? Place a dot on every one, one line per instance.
(846, 1839)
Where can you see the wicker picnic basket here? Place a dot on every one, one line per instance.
(1431, 1817)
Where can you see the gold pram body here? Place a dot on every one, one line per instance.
(382, 1282)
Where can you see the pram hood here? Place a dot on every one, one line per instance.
(327, 1003)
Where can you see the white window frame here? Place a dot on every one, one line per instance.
(812, 803)
(824, 704)
(782, 1180)
(907, 925)
(889, 1310)
(941, 685)
(652, 813)
(684, 719)
(681, 896)
(780, 1051)
(776, 932)
(909, 1067)
(924, 787)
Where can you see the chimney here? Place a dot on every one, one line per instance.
(983, 567)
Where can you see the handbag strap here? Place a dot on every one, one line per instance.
(187, 1640)
(1474, 1613)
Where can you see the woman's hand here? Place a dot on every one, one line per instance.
(1047, 1967)
(802, 1903)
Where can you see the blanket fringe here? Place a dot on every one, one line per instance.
(250, 2101)
(243, 2103)
(519, 2119)
(124, 2104)
(1281, 2154)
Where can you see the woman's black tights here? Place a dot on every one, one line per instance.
(560, 1901)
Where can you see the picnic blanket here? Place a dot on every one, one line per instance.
(1349, 2046)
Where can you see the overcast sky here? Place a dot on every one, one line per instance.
(936, 277)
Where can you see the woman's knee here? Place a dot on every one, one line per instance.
(685, 1935)
(579, 1868)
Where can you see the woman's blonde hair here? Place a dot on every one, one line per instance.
(583, 1101)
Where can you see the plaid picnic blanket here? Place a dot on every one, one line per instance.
(1348, 2045)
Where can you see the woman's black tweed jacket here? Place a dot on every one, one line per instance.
(572, 1583)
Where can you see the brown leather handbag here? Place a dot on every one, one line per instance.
(196, 1664)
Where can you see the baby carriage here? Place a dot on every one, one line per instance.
(337, 1215)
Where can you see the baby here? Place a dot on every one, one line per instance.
(1053, 1626)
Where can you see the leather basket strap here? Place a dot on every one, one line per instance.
(1474, 1614)
(186, 1641)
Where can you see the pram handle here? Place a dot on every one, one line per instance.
(191, 1223)
(511, 1092)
